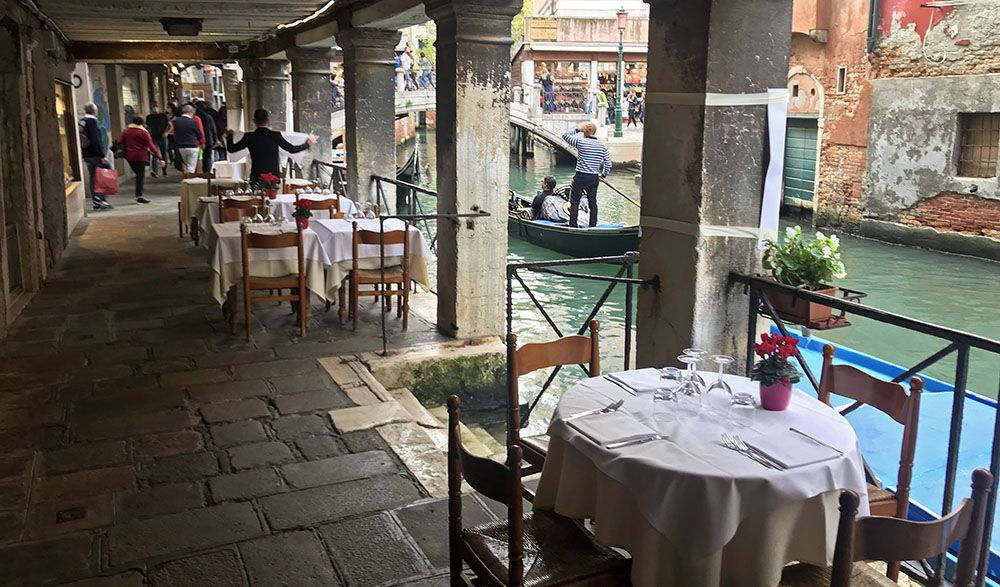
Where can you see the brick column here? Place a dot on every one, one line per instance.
(703, 168)
(370, 109)
(473, 150)
(313, 99)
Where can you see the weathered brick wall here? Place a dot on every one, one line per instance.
(956, 212)
(842, 169)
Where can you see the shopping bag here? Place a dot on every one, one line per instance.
(105, 181)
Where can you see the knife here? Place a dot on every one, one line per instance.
(621, 384)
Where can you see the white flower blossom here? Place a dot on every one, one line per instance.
(826, 251)
(819, 235)
(835, 239)
(791, 231)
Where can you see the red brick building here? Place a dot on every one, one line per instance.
(894, 120)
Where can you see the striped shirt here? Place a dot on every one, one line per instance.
(593, 154)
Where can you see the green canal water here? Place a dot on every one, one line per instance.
(949, 290)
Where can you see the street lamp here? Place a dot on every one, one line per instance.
(622, 17)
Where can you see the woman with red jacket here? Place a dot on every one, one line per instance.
(138, 145)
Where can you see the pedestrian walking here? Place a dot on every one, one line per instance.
(210, 138)
(548, 90)
(263, 144)
(593, 163)
(94, 150)
(187, 136)
(633, 110)
(138, 146)
(158, 124)
(426, 72)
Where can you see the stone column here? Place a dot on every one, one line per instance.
(270, 89)
(369, 110)
(313, 98)
(234, 98)
(249, 93)
(703, 168)
(473, 158)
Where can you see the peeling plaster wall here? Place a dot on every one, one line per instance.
(913, 143)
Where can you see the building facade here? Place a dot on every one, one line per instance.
(894, 123)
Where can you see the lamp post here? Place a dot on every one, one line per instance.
(622, 18)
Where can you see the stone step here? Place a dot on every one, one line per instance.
(415, 408)
(483, 435)
(365, 417)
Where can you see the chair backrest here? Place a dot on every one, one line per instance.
(285, 240)
(291, 189)
(231, 209)
(568, 350)
(374, 237)
(890, 398)
(209, 175)
(500, 482)
(216, 189)
(331, 205)
(883, 538)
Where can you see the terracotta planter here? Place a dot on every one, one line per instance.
(800, 311)
(302, 222)
(271, 193)
(775, 397)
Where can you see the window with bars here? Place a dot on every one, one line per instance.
(978, 144)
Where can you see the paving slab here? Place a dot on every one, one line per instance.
(89, 482)
(297, 426)
(38, 563)
(332, 502)
(184, 532)
(427, 523)
(86, 456)
(235, 433)
(365, 417)
(66, 516)
(227, 358)
(341, 372)
(15, 466)
(246, 485)
(167, 444)
(228, 391)
(422, 457)
(216, 569)
(160, 500)
(129, 579)
(311, 401)
(373, 550)
(234, 410)
(288, 560)
(259, 454)
(315, 447)
(310, 381)
(133, 424)
(196, 465)
(338, 469)
(199, 376)
(275, 368)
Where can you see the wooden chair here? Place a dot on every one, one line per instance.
(331, 205)
(231, 209)
(568, 350)
(892, 400)
(542, 548)
(398, 275)
(291, 189)
(180, 218)
(295, 283)
(882, 538)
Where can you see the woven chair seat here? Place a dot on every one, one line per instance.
(803, 575)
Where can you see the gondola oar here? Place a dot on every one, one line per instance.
(619, 192)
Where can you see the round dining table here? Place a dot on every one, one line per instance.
(687, 508)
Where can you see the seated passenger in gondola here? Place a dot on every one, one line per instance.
(538, 209)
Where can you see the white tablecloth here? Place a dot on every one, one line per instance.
(194, 188)
(336, 237)
(689, 510)
(230, 169)
(284, 204)
(226, 258)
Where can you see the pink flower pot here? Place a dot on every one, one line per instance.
(271, 193)
(302, 222)
(775, 397)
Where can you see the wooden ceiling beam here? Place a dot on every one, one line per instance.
(156, 52)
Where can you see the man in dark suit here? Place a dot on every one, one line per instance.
(263, 144)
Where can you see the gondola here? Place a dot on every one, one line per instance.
(406, 171)
(602, 240)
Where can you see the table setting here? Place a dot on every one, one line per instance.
(705, 477)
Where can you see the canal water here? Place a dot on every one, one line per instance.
(949, 290)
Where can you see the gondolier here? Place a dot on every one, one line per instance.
(592, 164)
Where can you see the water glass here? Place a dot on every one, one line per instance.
(719, 394)
(690, 389)
(742, 410)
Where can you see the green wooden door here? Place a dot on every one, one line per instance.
(800, 161)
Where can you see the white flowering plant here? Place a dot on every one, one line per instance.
(800, 262)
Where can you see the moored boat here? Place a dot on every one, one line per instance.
(602, 240)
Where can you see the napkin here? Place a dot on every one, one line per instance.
(605, 428)
(641, 379)
(791, 449)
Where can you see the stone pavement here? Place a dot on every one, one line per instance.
(143, 444)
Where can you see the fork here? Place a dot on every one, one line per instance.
(612, 407)
(731, 445)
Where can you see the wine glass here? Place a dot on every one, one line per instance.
(692, 369)
(690, 390)
(718, 396)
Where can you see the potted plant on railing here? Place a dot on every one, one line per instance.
(806, 264)
(775, 371)
(302, 213)
(270, 184)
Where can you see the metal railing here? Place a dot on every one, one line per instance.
(761, 289)
(332, 176)
(410, 202)
(627, 265)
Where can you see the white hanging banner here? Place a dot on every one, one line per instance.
(770, 206)
(716, 98)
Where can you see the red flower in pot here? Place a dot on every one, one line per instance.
(774, 370)
(302, 213)
(270, 183)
